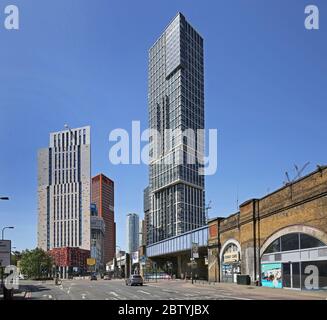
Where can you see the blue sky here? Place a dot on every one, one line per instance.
(85, 63)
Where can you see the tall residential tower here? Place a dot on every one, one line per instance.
(176, 102)
(64, 190)
(132, 227)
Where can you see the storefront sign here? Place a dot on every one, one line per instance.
(231, 257)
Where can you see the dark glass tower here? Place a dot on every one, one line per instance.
(176, 104)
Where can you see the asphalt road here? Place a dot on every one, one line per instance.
(163, 290)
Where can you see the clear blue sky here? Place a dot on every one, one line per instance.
(85, 63)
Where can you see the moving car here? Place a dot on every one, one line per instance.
(134, 280)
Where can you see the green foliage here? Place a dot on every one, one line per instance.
(15, 257)
(36, 264)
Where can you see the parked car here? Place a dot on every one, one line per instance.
(93, 277)
(134, 280)
(106, 277)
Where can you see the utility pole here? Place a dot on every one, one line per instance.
(207, 211)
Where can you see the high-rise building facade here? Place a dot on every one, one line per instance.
(64, 190)
(97, 239)
(103, 195)
(132, 227)
(142, 233)
(176, 104)
(146, 210)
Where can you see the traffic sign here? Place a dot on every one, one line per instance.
(90, 261)
(195, 250)
(5, 251)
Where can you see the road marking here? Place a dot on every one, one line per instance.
(83, 296)
(169, 291)
(237, 298)
(143, 292)
(189, 295)
(114, 294)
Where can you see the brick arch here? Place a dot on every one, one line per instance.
(226, 244)
(311, 231)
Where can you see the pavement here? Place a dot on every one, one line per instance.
(82, 289)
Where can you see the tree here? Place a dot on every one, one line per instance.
(15, 257)
(36, 263)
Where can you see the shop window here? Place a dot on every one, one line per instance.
(294, 241)
(309, 242)
(290, 242)
(274, 247)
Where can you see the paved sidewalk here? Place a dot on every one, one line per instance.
(251, 290)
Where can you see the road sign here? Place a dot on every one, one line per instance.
(195, 250)
(135, 257)
(90, 261)
(5, 250)
(143, 260)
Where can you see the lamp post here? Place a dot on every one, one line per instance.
(119, 261)
(3, 231)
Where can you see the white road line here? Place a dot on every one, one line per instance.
(83, 296)
(114, 294)
(170, 291)
(189, 295)
(237, 298)
(141, 291)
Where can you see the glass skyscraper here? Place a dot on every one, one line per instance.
(176, 104)
(132, 226)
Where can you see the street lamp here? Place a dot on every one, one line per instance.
(3, 231)
(119, 260)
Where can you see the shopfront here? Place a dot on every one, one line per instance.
(295, 261)
(231, 265)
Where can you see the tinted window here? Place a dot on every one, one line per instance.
(274, 247)
(290, 242)
(310, 242)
